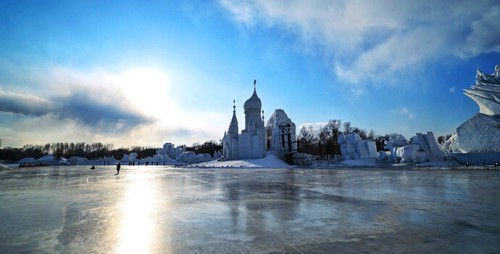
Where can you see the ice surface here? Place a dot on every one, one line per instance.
(253, 210)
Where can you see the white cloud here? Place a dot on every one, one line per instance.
(403, 111)
(378, 41)
(383, 62)
(452, 89)
(484, 36)
(242, 12)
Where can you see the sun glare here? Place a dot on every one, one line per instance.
(137, 225)
(147, 89)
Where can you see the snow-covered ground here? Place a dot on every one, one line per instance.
(271, 161)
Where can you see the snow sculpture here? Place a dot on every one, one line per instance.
(423, 148)
(189, 157)
(281, 133)
(170, 151)
(75, 160)
(192, 157)
(29, 160)
(429, 145)
(203, 157)
(251, 142)
(353, 147)
(409, 154)
(48, 160)
(395, 141)
(481, 133)
(167, 154)
(451, 145)
(129, 158)
(217, 155)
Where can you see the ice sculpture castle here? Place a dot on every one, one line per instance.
(251, 143)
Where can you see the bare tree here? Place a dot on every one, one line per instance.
(307, 140)
(347, 128)
(324, 137)
(371, 135)
(361, 132)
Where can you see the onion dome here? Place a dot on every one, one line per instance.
(254, 101)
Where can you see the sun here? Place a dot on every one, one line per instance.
(147, 89)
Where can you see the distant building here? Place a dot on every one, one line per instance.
(251, 142)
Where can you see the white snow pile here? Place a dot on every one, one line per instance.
(192, 157)
(270, 161)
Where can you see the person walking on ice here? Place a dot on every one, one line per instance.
(118, 168)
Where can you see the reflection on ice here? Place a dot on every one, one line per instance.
(137, 224)
(178, 210)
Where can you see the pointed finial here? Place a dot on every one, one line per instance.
(234, 105)
(262, 115)
(254, 82)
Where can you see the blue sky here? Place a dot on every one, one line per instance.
(149, 72)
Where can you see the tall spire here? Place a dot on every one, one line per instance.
(254, 84)
(233, 126)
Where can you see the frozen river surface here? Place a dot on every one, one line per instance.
(174, 210)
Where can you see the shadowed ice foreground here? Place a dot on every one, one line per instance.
(172, 210)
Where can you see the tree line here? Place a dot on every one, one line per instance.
(210, 147)
(322, 141)
(92, 150)
(64, 149)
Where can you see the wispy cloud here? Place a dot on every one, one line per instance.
(453, 89)
(84, 107)
(25, 104)
(380, 41)
(403, 111)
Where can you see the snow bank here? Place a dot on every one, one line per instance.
(270, 161)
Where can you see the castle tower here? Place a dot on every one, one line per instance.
(253, 110)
